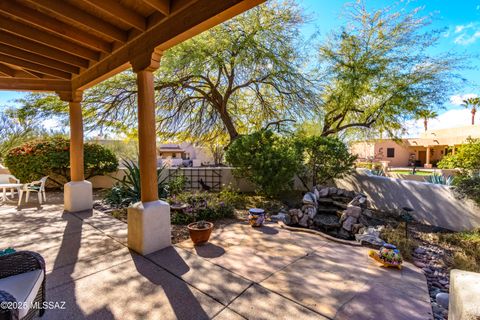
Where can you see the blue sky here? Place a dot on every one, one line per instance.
(461, 20)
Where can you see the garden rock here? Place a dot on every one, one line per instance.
(323, 192)
(281, 216)
(442, 299)
(353, 211)
(303, 221)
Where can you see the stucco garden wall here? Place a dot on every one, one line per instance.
(433, 204)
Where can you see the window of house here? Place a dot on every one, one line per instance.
(390, 152)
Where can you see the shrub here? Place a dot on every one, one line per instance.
(369, 165)
(466, 158)
(266, 159)
(128, 190)
(203, 206)
(468, 186)
(51, 157)
(324, 158)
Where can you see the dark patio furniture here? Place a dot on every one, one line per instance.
(22, 281)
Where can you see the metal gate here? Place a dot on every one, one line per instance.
(194, 177)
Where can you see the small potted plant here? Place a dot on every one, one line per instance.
(200, 231)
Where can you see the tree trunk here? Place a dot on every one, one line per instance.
(474, 110)
(229, 125)
(425, 124)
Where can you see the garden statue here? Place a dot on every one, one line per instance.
(388, 256)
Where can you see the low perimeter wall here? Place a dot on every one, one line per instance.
(434, 204)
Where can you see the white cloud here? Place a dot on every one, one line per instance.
(457, 100)
(449, 119)
(467, 33)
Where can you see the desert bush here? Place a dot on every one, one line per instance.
(467, 157)
(323, 159)
(128, 189)
(267, 159)
(396, 236)
(466, 253)
(468, 186)
(51, 157)
(208, 206)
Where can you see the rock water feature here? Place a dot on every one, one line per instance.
(338, 212)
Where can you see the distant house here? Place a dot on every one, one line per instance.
(425, 151)
(177, 154)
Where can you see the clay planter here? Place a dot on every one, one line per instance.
(200, 236)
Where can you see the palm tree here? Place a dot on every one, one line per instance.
(426, 115)
(472, 103)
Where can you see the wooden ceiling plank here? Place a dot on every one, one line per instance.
(46, 51)
(22, 54)
(34, 66)
(51, 40)
(34, 84)
(116, 10)
(200, 16)
(7, 70)
(160, 5)
(44, 21)
(76, 15)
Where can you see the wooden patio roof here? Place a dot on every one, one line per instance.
(69, 45)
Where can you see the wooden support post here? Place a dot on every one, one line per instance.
(147, 133)
(77, 193)
(149, 228)
(427, 161)
(76, 133)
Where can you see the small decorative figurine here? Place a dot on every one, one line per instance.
(7, 251)
(256, 217)
(388, 256)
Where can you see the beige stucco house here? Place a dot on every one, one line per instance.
(425, 151)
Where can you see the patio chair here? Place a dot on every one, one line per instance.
(22, 281)
(35, 186)
(8, 178)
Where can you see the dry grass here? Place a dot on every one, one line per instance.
(465, 247)
(396, 236)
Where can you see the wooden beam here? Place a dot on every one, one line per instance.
(25, 55)
(77, 16)
(160, 5)
(60, 28)
(7, 70)
(34, 84)
(17, 73)
(46, 51)
(116, 10)
(202, 15)
(48, 39)
(34, 66)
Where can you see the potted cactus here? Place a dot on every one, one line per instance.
(200, 231)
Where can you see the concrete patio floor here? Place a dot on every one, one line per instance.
(243, 273)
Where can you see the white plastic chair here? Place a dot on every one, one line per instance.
(8, 178)
(35, 186)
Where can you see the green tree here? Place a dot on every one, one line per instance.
(267, 159)
(473, 104)
(323, 159)
(377, 71)
(231, 79)
(425, 115)
(51, 156)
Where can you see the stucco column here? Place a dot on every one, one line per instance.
(149, 227)
(78, 194)
(427, 161)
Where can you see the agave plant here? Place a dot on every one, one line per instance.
(440, 179)
(378, 172)
(128, 189)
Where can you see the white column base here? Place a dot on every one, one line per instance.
(78, 196)
(149, 228)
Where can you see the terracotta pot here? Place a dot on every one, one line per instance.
(200, 236)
